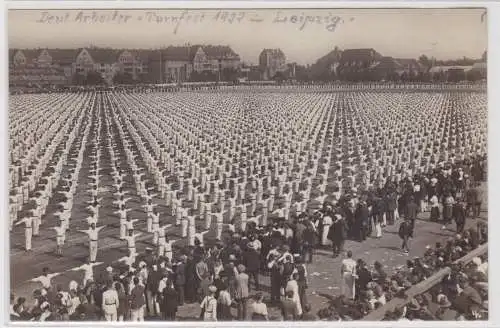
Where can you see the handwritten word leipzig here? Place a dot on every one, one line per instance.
(328, 20)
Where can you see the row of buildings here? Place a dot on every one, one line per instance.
(368, 64)
(172, 64)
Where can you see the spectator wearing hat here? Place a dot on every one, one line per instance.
(276, 277)
(251, 260)
(361, 221)
(445, 313)
(180, 278)
(309, 237)
(169, 302)
(152, 284)
(191, 280)
(338, 234)
(137, 301)
(411, 212)
(241, 292)
(209, 305)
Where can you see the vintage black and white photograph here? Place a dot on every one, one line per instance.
(248, 164)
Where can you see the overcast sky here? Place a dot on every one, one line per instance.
(403, 33)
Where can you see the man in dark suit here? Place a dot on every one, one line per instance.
(404, 232)
(411, 214)
(152, 284)
(180, 279)
(362, 220)
(170, 302)
(338, 234)
(137, 301)
(459, 215)
(391, 206)
(251, 260)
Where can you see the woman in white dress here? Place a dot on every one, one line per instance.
(348, 272)
(294, 287)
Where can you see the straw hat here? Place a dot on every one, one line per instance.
(444, 302)
(477, 261)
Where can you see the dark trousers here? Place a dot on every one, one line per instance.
(338, 247)
(241, 305)
(405, 246)
(180, 292)
(389, 215)
(275, 287)
(362, 232)
(366, 230)
(412, 231)
(169, 315)
(307, 253)
(253, 275)
(224, 312)
(150, 303)
(460, 226)
(475, 208)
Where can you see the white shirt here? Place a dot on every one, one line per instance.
(162, 285)
(93, 233)
(131, 240)
(46, 281)
(110, 298)
(327, 220)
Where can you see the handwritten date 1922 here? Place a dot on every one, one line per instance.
(229, 16)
